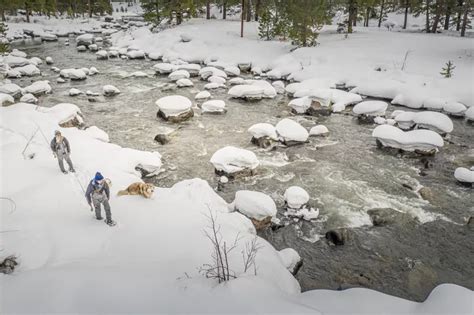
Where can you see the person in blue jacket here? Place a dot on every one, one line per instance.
(97, 194)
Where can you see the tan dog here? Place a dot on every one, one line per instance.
(144, 189)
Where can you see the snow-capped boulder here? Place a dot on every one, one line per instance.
(428, 120)
(234, 162)
(319, 130)
(423, 141)
(184, 83)
(110, 90)
(60, 80)
(232, 71)
(75, 92)
(434, 103)
(55, 69)
(93, 47)
(454, 109)
(236, 81)
(216, 79)
(257, 206)
(84, 40)
(49, 60)
(81, 48)
(136, 54)
(263, 134)
(300, 105)
(98, 39)
(10, 89)
(28, 70)
(179, 74)
(207, 72)
(296, 197)
(14, 61)
(13, 73)
(380, 120)
(279, 87)
(102, 55)
(39, 87)
(29, 98)
(113, 53)
(291, 260)
(18, 53)
(165, 68)
(185, 38)
(93, 71)
(73, 74)
(253, 90)
(290, 132)
(35, 61)
(154, 56)
(6, 99)
(192, 68)
(213, 86)
(370, 108)
(202, 95)
(97, 133)
(213, 107)
(464, 175)
(470, 114)
(174, 108)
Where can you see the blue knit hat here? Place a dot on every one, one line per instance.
(98, 176)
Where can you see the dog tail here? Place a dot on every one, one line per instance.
(122, 193)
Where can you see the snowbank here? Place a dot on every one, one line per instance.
(415, 140)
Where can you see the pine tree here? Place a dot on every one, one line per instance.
(4, 47)
(266, 28)
(448, 70)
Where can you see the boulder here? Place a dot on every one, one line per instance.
(148, 171)
(29, 98)
(296, 197)
(319, 130)
(164, 135)
(6, 99)
(10, 89)
(257, 206)
(174, 108)
(387, 216)
(290, 132)
(213, 107)
(291, 260)
(234, 162)
(337, 237)
(110, 90)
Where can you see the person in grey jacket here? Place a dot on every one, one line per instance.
(61, 151)
(98, 193)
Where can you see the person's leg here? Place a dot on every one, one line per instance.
(60, 161)
(108, 213)
(69, 162)
(96, 203)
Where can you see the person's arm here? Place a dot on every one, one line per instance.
(53, 145)
(68, 148)
(107, 190)
(89, 192)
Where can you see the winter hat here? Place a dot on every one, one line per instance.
(57, 132)
(98, 176)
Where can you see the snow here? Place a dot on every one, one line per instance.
(236, 81)
(213, 86)
(454, 108)
(253, 89)
(279, 87)
(184, 83)
(263, 130)
(10, 89)
(426, 119)
(232, 71)
(136, 54)
(110, 90)
(29, 98)
(97, 133)
(290, 258)
(18, 53)
(300, 105)
(28, 70)
(470, 113)
(6, 99)
(464, 175)
(424, 140)
(164, 68)
(296, 197)
(370, 108)
(14, 61)
(174, 105)
(75, 92)
(318, 130)
(192, 68)
(254, 204)
(73, 74)
(102, 54)
(49, 60)
(231, 160)
(213, 106)
(39, 87)
(216, 79)
(13, 73)
(202, 95)
(207, 72)
(179, 74)
(289, 130)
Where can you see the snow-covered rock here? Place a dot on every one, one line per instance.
(191, 68)
(6, 99)
(300, 105)
(49, 60)
(136, 54)
(236, 81)
(434, 103)
(430, 120)
(14, 61)
(113, 53)
(29, 98)
(73, 74)
(10, 89)
(454, 109)
(28, 70)
(296, 197)
(154, 56)
(231, 162)
(165, 68)
(216, 79)
(409, 100)
(93, 47)
(470, 114)
(93, 71)
(213, 107)
(102, 55)
(97, 133)
(184, 83)
(207, 72)
(464, 175)
(279, 87)
(39, 87)
(81, 48)
(202, 95)
(291, 260)
(425, 141)
(175, 108)
(263, 130)
(84, 40)
(232, 71)
(75, 92)
(13, 73)
(35, 61)
(319, 130)
(290, 132)
(179, 74)
(370, 108)
(18, 53)
(254, 205)
(185, 38)
(253, 90)
(213, 86)
(110, 90)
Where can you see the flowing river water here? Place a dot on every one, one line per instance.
(345, 174)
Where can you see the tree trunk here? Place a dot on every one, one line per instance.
(90, 8)
(405, 20)
(27, 13)
(439, 6)
(464, 19)
(367, 17)
(458, 18)
(224, 9)
(208, 10)
(257, 9)
(427, 16)
(2, 13)
(242, 19)
(248, 14)
(447, 17)
(354, 18)
(381, 12)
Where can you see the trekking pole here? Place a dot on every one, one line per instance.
(28, 143)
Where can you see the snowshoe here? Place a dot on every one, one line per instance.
(110, 222)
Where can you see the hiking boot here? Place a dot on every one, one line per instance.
(110, 222)
(72, 170)
(64, 172)
(99, 218)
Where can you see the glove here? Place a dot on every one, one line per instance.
(55, 156)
